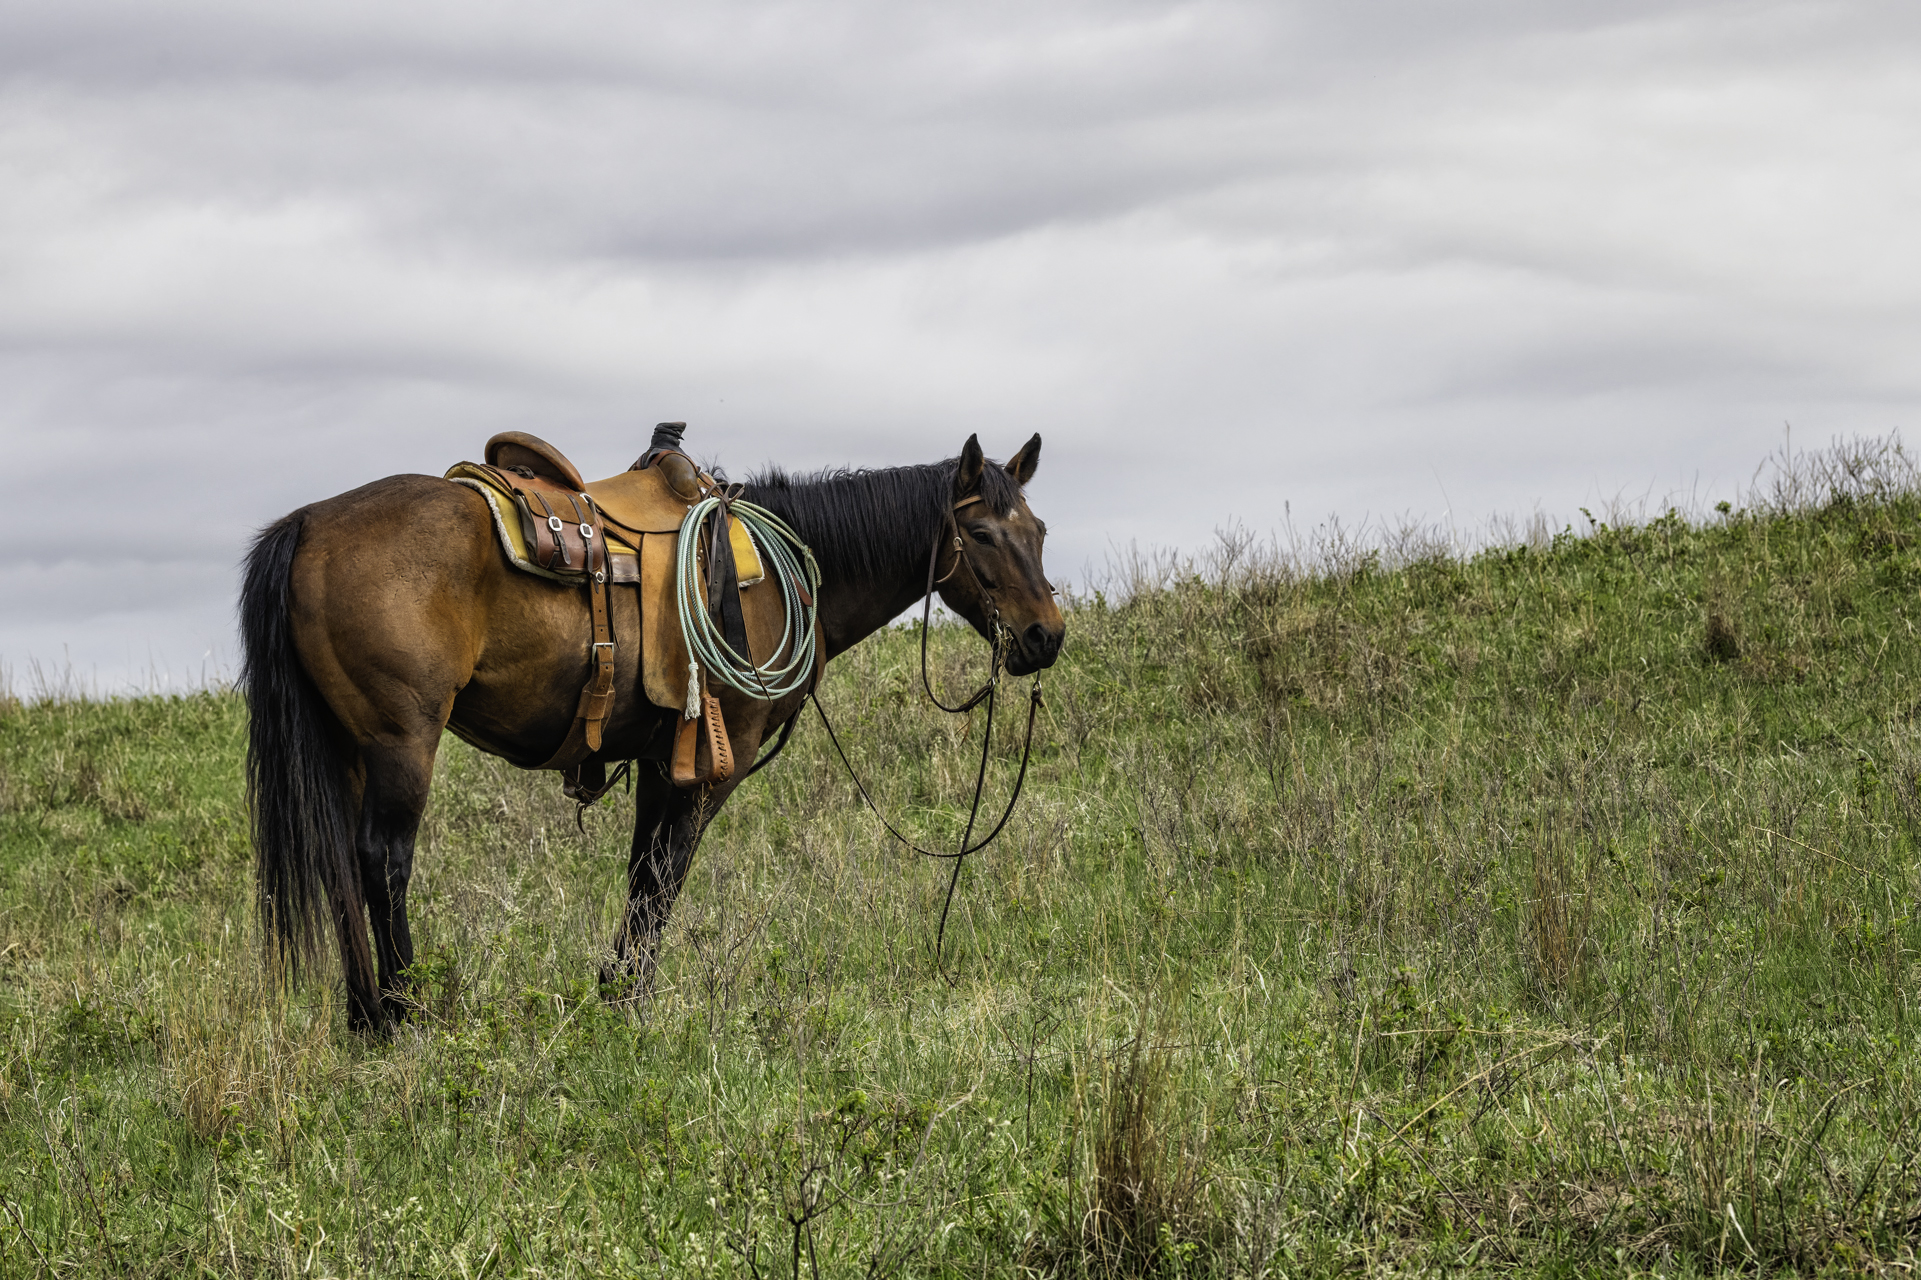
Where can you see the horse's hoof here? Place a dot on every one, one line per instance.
(626, 984)
(623, 991)
(373, 1029)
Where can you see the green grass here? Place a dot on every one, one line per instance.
(1546, 910)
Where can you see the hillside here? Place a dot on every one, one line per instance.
(1548, 907)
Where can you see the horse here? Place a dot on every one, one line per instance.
(374, 620)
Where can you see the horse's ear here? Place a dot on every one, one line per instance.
(967, 477)
(1023, 464)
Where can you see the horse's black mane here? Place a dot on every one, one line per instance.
(873, 524)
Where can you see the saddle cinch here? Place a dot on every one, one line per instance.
(625, 531)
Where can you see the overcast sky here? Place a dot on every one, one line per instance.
(1381, 259)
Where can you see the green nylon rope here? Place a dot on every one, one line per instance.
(786, 559)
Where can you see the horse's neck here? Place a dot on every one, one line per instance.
(850, 611)
(859, 598)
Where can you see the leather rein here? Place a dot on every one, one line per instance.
(988, 692)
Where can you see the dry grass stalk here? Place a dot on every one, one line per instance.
(1147, 1208)
(234, 1054)
(1557, 922)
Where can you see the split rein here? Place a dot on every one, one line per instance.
(988, 693)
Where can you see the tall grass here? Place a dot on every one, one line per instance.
(1373, 906)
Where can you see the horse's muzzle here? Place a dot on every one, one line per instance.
(1035, 649)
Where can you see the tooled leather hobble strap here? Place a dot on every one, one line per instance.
(720, 749)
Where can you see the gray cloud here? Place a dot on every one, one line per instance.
(1233, 260)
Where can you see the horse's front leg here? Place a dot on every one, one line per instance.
(668, 823)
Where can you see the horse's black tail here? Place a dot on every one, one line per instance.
(297, 785)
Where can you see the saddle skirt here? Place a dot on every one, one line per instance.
(549, 523)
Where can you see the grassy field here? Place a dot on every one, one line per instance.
(1545, 910)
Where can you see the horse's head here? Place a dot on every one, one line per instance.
(997, 576)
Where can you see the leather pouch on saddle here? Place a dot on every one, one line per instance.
(557, 542)
(547, 528)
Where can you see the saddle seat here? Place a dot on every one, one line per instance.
(652, 496)
(515, 450)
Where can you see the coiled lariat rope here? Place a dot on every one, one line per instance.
(786, 559)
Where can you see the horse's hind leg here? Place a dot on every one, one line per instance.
(393, 797)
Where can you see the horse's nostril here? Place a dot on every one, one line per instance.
(1037, 641)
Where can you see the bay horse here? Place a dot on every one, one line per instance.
(373, 620)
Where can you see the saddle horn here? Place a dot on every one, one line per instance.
(664, 450)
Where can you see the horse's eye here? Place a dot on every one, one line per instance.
(986, 540)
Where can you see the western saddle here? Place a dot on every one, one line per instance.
(625, 531)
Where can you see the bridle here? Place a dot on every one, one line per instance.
(988, 692)
(980, 588)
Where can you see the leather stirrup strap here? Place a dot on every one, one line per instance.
(597, 696)
(597, 699)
